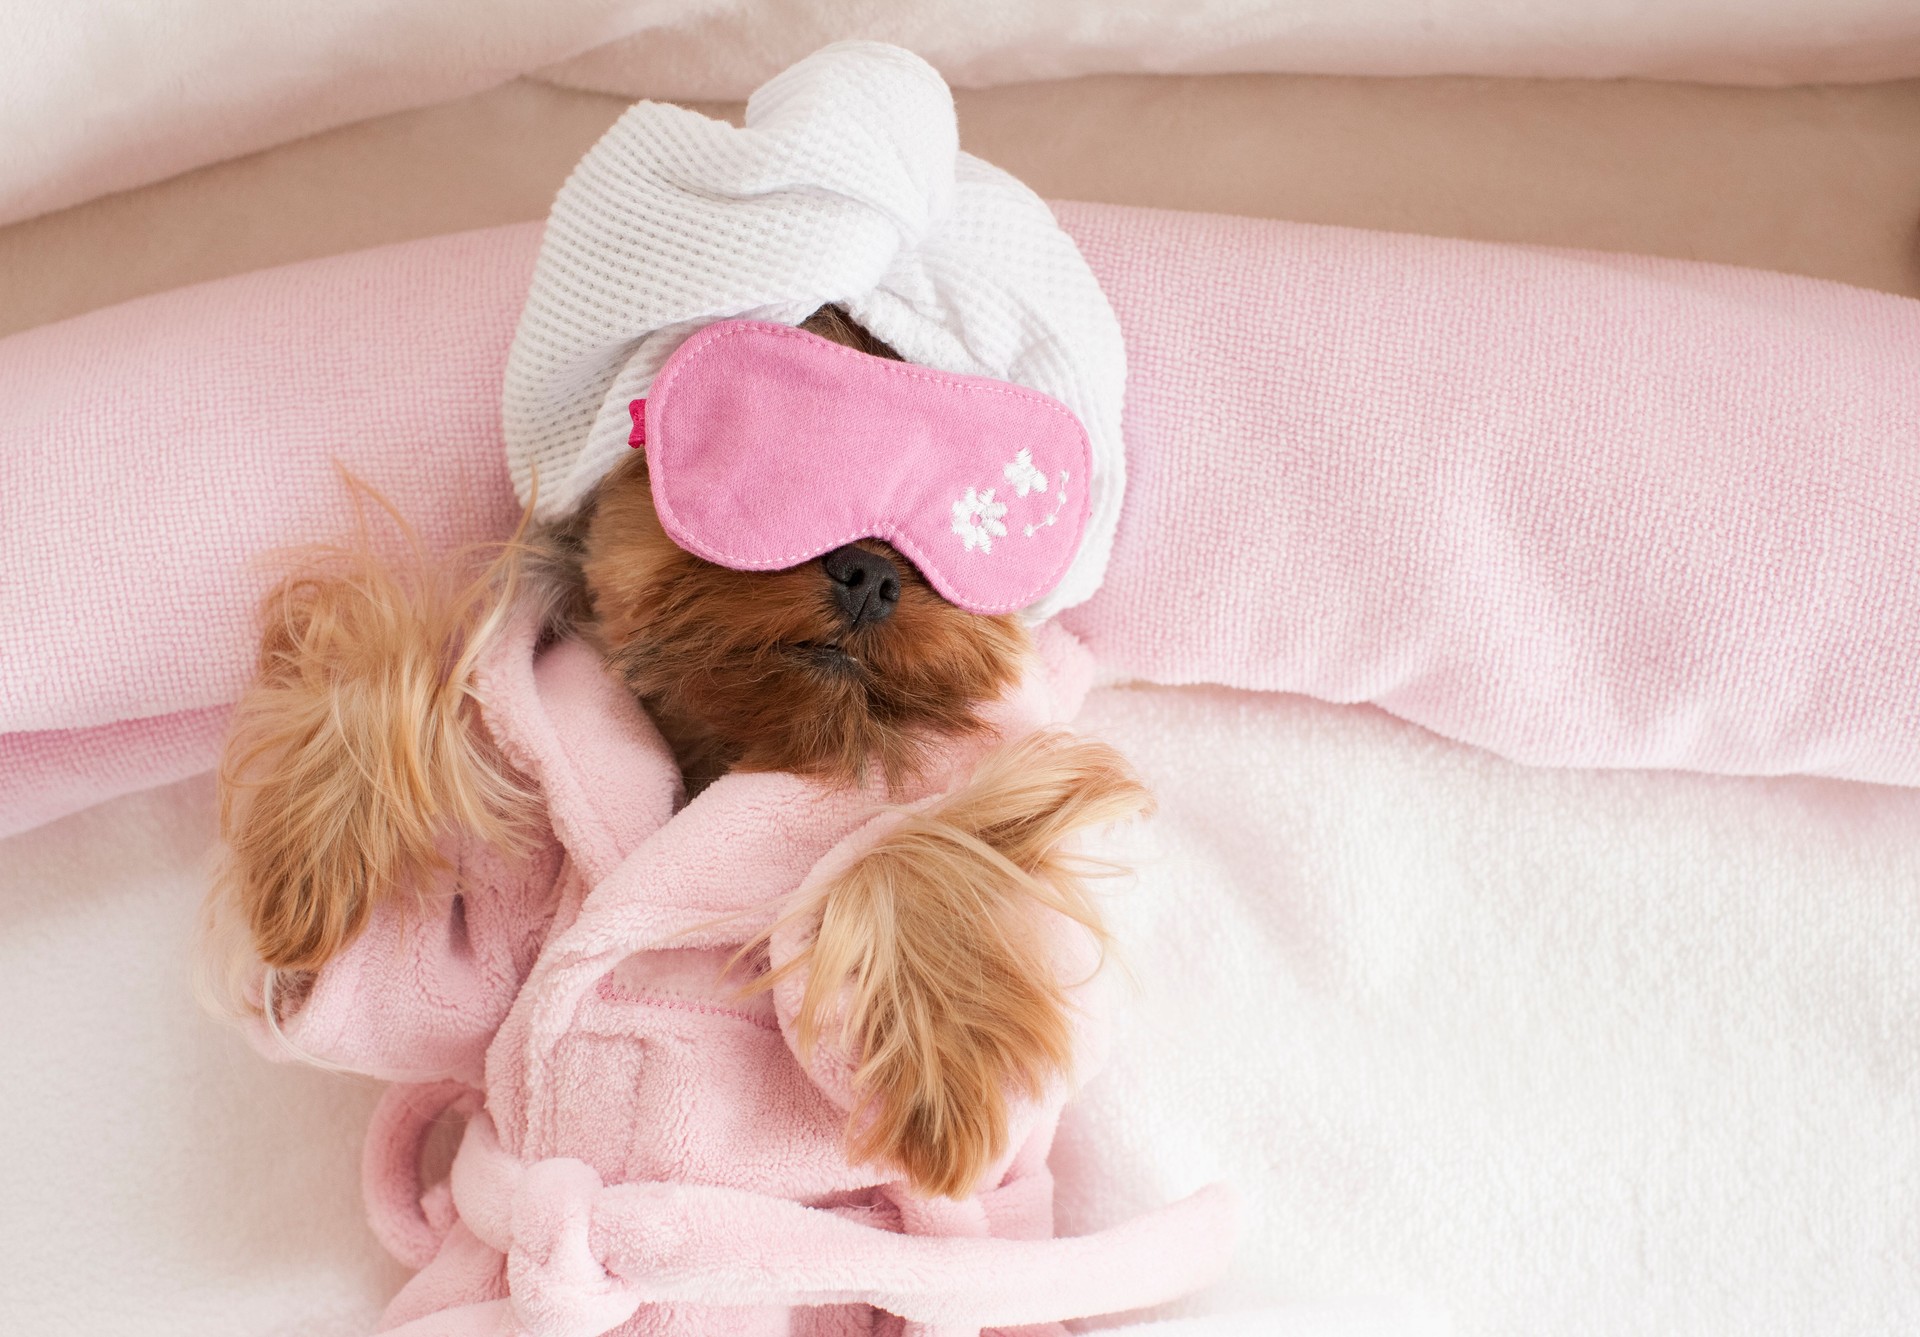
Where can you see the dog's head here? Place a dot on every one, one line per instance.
(847, 661)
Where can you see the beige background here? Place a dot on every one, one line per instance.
(1816, 180)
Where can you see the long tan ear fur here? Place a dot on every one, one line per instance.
(933, 965)
(357, 748)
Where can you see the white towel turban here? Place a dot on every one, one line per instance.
(846, 185)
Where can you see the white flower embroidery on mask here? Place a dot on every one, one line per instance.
(1059, 501)
(1024, 477)
(976, 519)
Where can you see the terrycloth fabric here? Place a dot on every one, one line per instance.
(100, 95)
(1583, 510)
(1578, 509)
(846, 185)
(1563, 1052)
(153, 457)
(767, 446)
(47, 774)
(650, 1153)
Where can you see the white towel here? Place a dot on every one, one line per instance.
(846, 185)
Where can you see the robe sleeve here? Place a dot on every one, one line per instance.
(419, 993)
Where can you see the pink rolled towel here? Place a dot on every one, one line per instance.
(1578, 509)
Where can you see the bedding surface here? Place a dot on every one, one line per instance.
(1526, 1052)
(102, 95)
(1822, 181)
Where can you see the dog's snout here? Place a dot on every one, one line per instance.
(866, 586)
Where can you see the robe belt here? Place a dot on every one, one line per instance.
(583, 1255)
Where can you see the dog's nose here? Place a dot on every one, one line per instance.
(866, 585)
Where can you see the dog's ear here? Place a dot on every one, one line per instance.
(357, 750)
(936, 962)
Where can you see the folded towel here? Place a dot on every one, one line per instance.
(1578, 509)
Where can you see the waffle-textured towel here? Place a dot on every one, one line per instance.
(847, 186)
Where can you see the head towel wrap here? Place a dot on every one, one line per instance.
(846, 185)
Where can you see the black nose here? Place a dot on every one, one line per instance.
(866, 585)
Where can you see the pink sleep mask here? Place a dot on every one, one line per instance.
(768, 446)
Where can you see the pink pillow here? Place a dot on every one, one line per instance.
(1579, 509)
(152, 454)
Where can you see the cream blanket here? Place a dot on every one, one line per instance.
(101, 95)
(1536, 1052)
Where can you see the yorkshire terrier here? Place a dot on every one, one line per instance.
(357, 750)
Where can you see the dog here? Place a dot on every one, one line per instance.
(357, 749)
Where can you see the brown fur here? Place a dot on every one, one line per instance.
(735, 667)
(354, 751)
(930, 961)
(356, 754)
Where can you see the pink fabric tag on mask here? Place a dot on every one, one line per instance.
(768, 446)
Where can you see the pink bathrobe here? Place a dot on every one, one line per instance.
(646, 1153)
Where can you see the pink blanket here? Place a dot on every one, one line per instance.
(1577, 509)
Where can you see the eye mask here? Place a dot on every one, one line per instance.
(768, 446)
